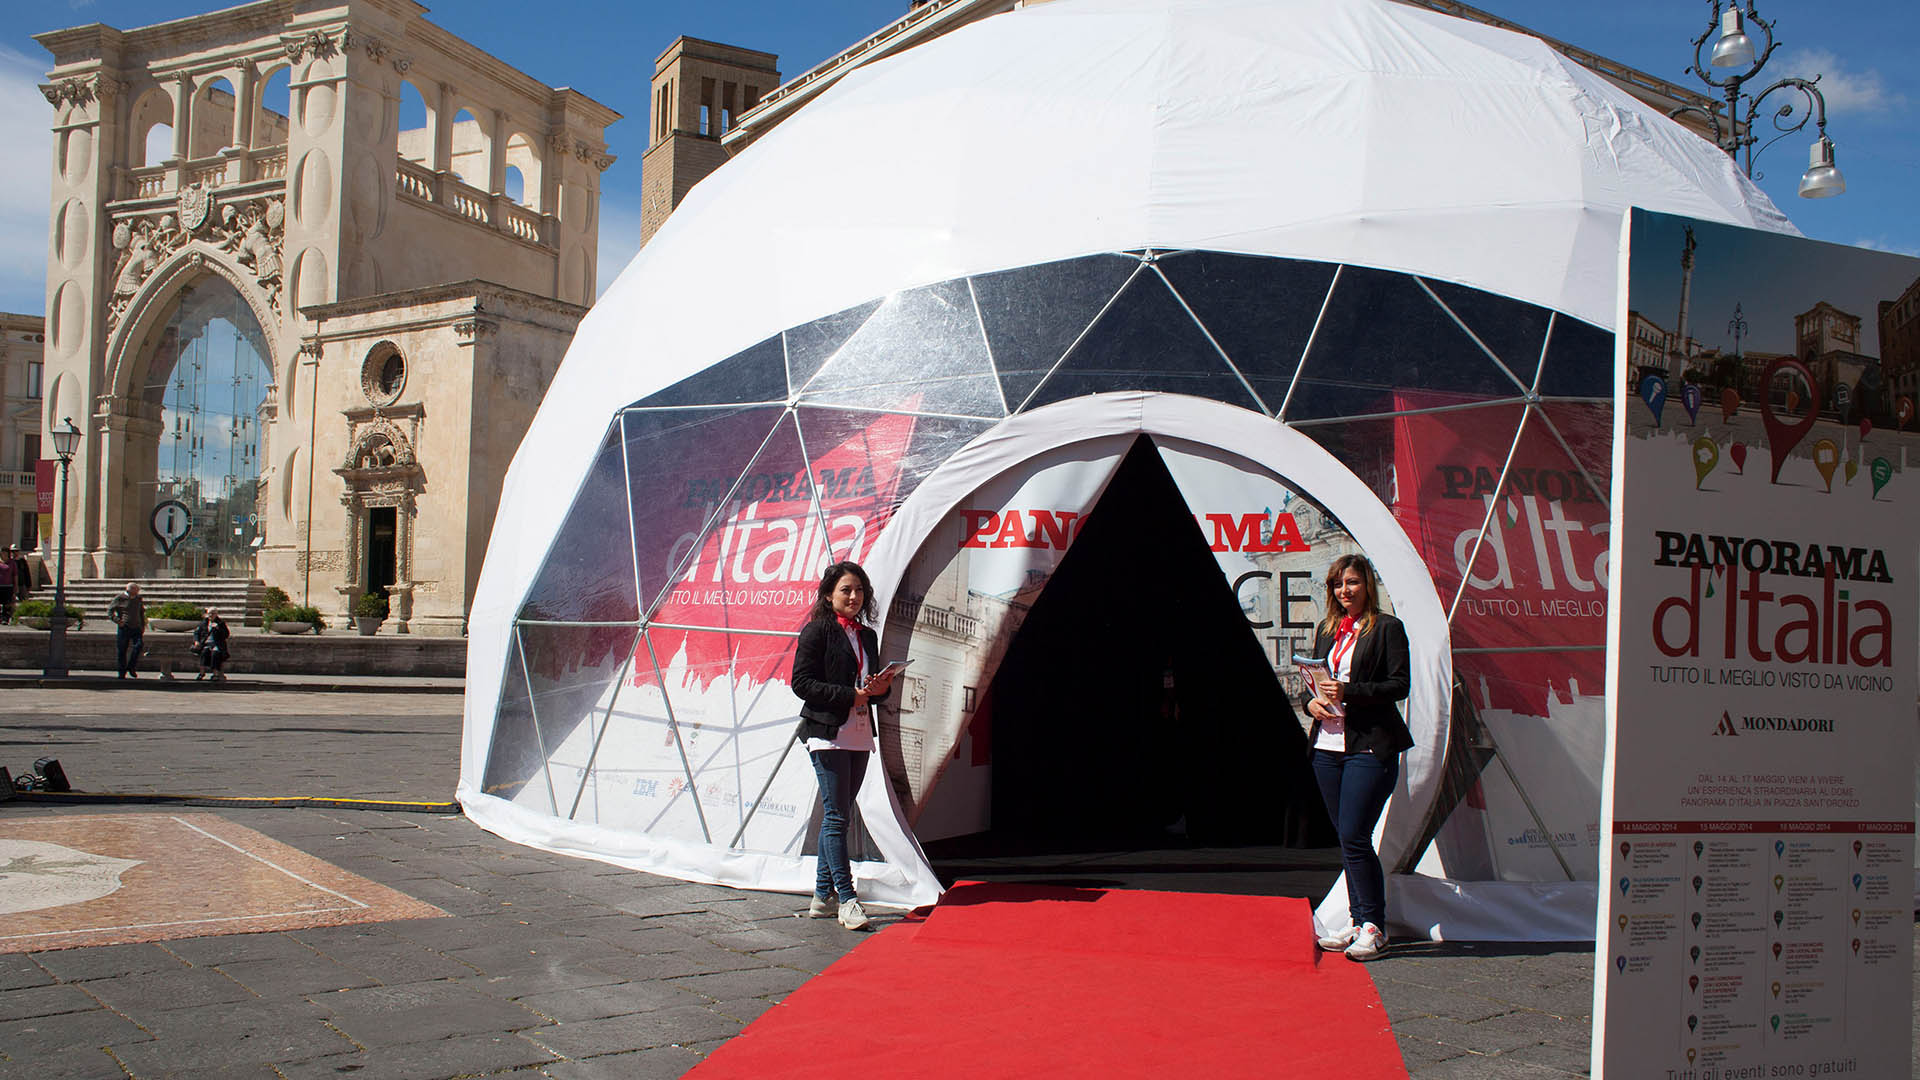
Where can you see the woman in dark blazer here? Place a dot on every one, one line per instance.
(1358, 737)
(833, 675)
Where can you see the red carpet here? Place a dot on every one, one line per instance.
(1015, 980)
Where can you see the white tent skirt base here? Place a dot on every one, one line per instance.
(878, 883)
(1437, 909)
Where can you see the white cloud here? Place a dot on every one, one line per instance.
(1845, 89)
(619, 239)
(25, 123)
(1882, 243)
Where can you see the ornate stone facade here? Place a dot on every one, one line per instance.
(249, 165)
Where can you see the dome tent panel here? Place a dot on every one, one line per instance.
(1034, 314)
(1145, 340)
(809, 347)
(921, 350)
(588, 574)
(900, 450)
(1355, 364)
(753, 376)
(1513, 333)
(1260, 311)
(1572, 367)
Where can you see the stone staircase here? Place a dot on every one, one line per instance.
(232, 596)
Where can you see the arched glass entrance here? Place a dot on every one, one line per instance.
(210, 373)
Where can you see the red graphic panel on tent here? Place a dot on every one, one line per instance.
(1539, 578)
(758, 565)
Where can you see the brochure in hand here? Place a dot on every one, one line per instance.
(893, 668)
(1313, 669)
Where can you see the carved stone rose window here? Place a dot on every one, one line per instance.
(384, 374)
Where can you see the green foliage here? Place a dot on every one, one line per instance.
(175, 609)
(43, 609)
(276, 598)
(290, 613)
(371, 606)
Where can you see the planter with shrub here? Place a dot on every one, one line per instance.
(174, 616)
(39, 614)
(369, 612)
(295, 620)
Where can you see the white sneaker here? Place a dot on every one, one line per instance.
(1339, 942)
(823, 907)
(1370, 942)
(853, 916)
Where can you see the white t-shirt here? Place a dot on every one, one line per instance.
(857, 732)
(1333, 731)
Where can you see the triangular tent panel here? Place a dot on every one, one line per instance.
(966, 362)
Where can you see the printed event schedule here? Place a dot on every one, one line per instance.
(1758, 874)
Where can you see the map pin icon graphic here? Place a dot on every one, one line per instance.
(1729, 404)
(1696, 920)
(1619, 963)
(1776, 950)
(1856, 946)
(1738, 452)
(1653, 391)
(1625, 883)
(1776, 989)
(1853, 470)
(1882, 471)
(1856, 916)
(1826, 458)
(1777, 882)
(1706, 455)
(1777, 916)
(1690, 400)
(1622, 920)
(1779, 847)
(1856, 849)
(1697, 882)
(1776, 1023)
(1856, 882)
(1902, 412)
(1784, 435)
(1624, 848)
(1693, 983)
(1698, 847)
(1689, 1055)
(1695, 952)
(1693, 1022)
(1866, 428)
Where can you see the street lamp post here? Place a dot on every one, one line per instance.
(66, 443)
(1735, 51)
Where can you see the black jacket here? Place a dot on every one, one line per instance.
(825, 670)
(1382, 672)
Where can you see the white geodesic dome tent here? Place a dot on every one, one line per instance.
(1345, 258)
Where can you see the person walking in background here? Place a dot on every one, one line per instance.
(210, 645)
(1358, 736)
(22, 574)
(129, 615)
(7, 578)
(833, 674)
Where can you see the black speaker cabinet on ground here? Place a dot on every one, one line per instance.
(53, 777)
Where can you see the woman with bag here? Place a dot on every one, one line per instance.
(1358, 736)
(833, 675)
(210, 645)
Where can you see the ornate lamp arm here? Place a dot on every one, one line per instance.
(1816, 110)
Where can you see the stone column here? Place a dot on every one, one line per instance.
(244, 106)
(443, 143)
(182, 118)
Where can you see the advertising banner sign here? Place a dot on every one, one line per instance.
(1756, 897)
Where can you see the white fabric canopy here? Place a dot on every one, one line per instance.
(1357, 132)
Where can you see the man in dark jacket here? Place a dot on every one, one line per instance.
(129, 615)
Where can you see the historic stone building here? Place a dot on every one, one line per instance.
(258, 218)
(22, 383)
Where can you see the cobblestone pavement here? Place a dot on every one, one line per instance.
(550, 965)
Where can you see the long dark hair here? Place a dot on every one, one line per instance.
(823, 598)
(1335, 612)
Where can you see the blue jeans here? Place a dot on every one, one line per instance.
(1355, 788)
(839, 773)
(127, 643)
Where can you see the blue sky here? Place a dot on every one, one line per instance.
(606, 50)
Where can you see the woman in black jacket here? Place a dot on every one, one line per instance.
(1358, 737)
(833, 675)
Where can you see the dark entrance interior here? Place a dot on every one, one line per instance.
(1139, 736)
(382, 552)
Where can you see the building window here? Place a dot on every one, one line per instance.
(35, 372)
(966, 700)
(29, 451)
(704, 121)
(29, 530)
